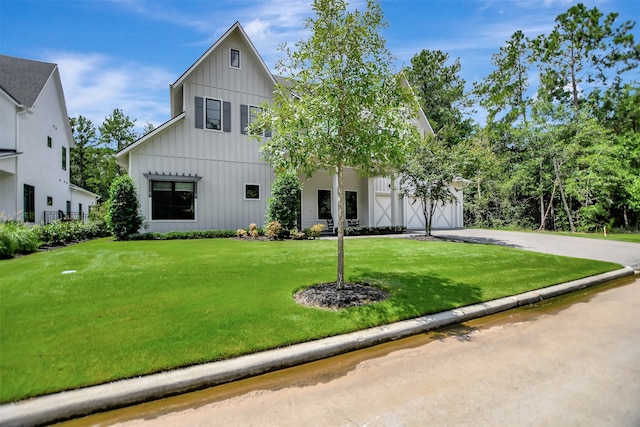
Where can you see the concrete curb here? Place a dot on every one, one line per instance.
(80, 402)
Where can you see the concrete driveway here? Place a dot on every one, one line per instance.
(627, 254)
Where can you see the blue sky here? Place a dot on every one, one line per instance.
(125, 53)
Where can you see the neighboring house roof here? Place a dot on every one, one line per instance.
(23, 79)
(73, 187)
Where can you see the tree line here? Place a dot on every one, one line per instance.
(560, 148)
(93, 165)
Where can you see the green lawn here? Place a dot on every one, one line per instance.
(621, 237)
(133, 308)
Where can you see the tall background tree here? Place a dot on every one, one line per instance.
(343, 104)
(93, 165)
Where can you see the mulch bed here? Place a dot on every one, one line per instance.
(328, 295)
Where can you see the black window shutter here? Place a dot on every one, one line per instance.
(226, 116)
(199, 113)
(244, 119)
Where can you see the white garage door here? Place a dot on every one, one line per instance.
(415, 217)
(382, 210)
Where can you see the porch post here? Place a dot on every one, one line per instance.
(394, 201)
(371, 197)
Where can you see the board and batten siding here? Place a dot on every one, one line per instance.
(226, 161)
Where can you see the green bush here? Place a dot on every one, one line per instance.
(58, 232)
(123, 217)
(184, 235)
(284, 205)
(17, 238)
(367, 231)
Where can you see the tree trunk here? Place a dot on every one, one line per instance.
(546, 214)
(564, 199)
(427, 217)
(340, 279)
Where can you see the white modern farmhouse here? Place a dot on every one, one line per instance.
(35, 139)
(199, 170)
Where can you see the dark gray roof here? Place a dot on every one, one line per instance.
(23, 79)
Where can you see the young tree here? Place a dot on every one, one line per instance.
(342, 105)
(428, 175)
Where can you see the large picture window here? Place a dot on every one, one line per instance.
(324, 204)
(351, 202)
(172, 200)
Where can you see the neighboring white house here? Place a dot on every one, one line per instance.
(199, 170)
(35, 143)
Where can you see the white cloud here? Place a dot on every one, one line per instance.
(95, 84)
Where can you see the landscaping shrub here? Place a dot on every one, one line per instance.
(274, 230)
(123, 218)
(58, 232)
(314, 231)
(17, 238)
(184, 235)
(241, 232)
(284, 206)
(367, 231)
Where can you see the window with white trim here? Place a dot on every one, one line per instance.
(213, 114)
(324, 204)
(234, 58)
(252, 191)
(351, 204)
(172, 200)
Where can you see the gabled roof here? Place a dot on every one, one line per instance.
(204, 56)
(154, 132)
(23, 79)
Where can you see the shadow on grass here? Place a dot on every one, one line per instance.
(478, 240)
(415, 294)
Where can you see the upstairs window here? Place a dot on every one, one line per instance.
(64, 158)
(214, 114)
(234, 58)
(49, 142)
(248, 115)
